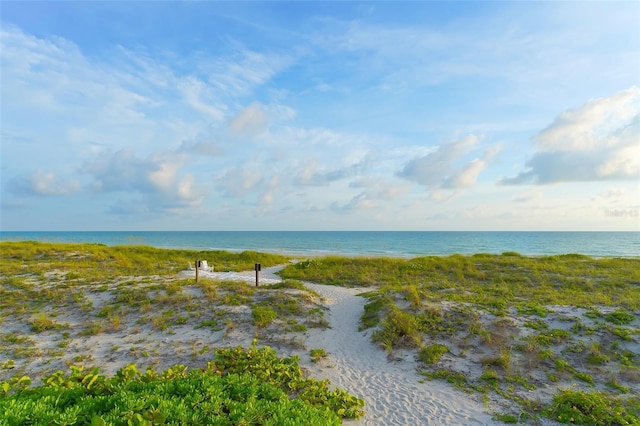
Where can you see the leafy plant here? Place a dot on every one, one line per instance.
(431, 354)
(591, 408)
(250, 386)
(318, 354)
(620, 317)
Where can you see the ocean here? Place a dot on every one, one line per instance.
(362, 243)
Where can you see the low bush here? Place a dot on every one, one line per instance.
(251, 386)
(620, 317)
(593, 408)
(431, 354)
(399, 328)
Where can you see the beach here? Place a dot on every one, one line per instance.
(162, 320)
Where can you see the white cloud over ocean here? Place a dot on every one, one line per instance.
(599, 140)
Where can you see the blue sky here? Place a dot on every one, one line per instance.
(320, 116)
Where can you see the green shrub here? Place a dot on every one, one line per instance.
(533, 308)
(597, 359)
(593, 313)
(507, 418)
(399, 328)
(591, 408)
(553, 336)
(431, 354)
(262, 315)
(43, 323)
(620, 317)
(318, 354)
(251, 386)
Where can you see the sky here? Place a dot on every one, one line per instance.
(202, 115)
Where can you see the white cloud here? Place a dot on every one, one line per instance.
(437, 169)
(158, 178)
(201, 98)
(467, 175)
(598, 141)
(359, 202)
(42, 183)
(251, 120)
(586, 128)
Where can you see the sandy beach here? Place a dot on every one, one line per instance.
(394, 391)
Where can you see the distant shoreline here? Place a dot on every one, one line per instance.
(399, 244)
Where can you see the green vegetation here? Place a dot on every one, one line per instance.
(620, 317)
(591, 408)
(517, 319)
(432, 353)
(93, 261)
(489, 280)
(506, 315)
(73, 294)
(250, 387)
(318, 354)
(43, 323)
(262, 315)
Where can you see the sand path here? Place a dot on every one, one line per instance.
(391, 389)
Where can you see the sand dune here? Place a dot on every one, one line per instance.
(391, 388)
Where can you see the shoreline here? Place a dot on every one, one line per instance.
(400, 244)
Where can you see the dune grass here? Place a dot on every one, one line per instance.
(508, 325)
(91, 262)
(490, 280)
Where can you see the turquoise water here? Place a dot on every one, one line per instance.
(366, 243)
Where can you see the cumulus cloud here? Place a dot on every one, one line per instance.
(438, 168)
(598, 141)
(256, 118)
(157, 177)
(467, 175)
(42, 183)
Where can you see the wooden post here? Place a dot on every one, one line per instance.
(257, 267)
(197, 269)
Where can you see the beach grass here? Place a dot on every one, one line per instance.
(508, 325)
(493, 281)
